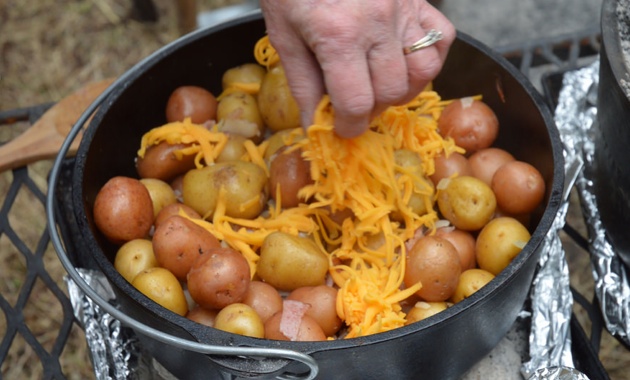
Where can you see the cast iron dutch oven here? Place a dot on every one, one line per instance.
(612, 174)
(441, 347)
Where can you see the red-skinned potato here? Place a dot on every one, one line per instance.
(160, 162)
(218, 278)
(309, 330)
(123, 210)
(485, 162)
(434, 263)
(519, 187)
(195, 102)
(263, 298)
(446, 167)
(470, 122)
(323, 300)
(202, 315)
(172, 210)
(178, 242)
(288, 173)
(464, 243)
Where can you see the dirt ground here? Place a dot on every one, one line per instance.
(49, 48)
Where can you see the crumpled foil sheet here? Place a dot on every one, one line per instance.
(550, 294)
(612, 288)
(114, 349)
(558, 373)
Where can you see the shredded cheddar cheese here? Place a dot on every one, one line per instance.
(367, 251)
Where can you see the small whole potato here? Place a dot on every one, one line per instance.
(288, 173)
(160, 162)
(133, 257)
(233, 150)
(243, 74)
(485, 162)
(423, 310)
(195, 102)
(274, 143)
(174, 209)
(202, 316)
(263, 298)
(467, 202)
(219, 278)
(277, 106)
(470, 122)
(519, 187)
(178, 242)
(323, 302)
(410, 164)
(288, 262)
(434, 263)
(499, 242)
(161, 193)
(237, 113)
(446, 167)
(238, 318)
(308, 330)
(245, 184)
(123, 210)
(161, 286)
(463, 241)
(470, 281)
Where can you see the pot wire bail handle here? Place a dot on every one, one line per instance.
(158, 335)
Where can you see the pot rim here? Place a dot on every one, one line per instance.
(476, 300)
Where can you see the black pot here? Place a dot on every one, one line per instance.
(612, 176)
(441, 347)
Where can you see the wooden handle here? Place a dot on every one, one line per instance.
(44, 138)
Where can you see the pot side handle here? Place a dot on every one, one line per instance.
(261, 365)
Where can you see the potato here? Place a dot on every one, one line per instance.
(241, 319)
(288, 262)
(194, 102)
(202, 315)
(277, 106)
(160, 162)
(434, 263)
(423, 310)
(178, 242)
(447, 167)
(161, 193)
(245, 185)
(233, 150)
(519, 187)
(172, 210)
(467, 202)
(485, 162)
(308, 330)
(133, 257)
(499, 242)
(237, 113)
(263, 298)
(470, 281)
(274, 143)
(288, 173)
(323, 302)
(161, 286)
(219, 278)
(463, 241)
(123, 210)
(243, 74)
(471, 123)
(410, 164)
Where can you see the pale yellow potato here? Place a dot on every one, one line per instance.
(162, 194)
(161, 286)
(470, 281)
(133, 257)
(499, 242)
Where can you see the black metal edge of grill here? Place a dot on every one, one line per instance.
(561, 54)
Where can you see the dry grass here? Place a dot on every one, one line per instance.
(49, 48)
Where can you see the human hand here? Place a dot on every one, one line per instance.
(353, 51)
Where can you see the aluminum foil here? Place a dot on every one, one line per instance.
(114, 349)
(558, 373)
(550, 295)
(612, 289)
